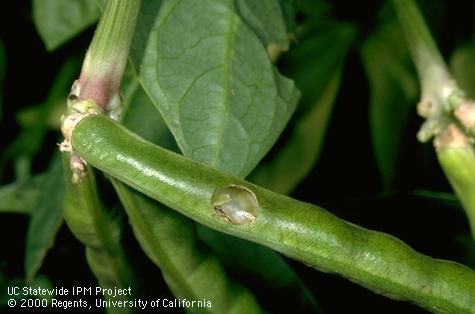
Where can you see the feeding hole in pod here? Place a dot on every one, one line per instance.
(235, 204)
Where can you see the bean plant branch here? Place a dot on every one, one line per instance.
(106, 58)
(97, 90)
(301, 231)
(450, 115)
(437, 84)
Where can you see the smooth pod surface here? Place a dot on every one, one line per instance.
(299, 230)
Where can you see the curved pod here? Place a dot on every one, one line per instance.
(299, 230)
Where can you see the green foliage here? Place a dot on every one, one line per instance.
(58, 21)
(263, 21)
(319, 79)
(45, 219)
(214, 81)
(241, 116)
(38, 119)
(461, 63)
(139, 117)
(266, 19)
(393, 96)
(21, 196)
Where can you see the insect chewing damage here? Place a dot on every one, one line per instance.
(235, 204)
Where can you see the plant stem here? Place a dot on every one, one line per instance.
(106, 58)
(301, 231)
(98, 86)
(437, 83)
(457, 159)
(440, 93)
(450, 115)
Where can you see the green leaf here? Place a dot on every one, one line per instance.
(462, 63)
(394, 91)
(316, 10)
(296, 159)
(442, 198)
(141, 116)
(465, 241)
(266, 19)
(289, 12)
(21, 196)
(145, 23)
(45, 219)
(316, 63)
(58, 21)
(217, 90)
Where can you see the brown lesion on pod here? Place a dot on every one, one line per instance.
(235, 204)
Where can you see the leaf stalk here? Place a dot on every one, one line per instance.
(106, 58)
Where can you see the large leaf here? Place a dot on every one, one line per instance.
(21, 196)
(217, 90)
(147, 17)
(141, 116)
(462, 65)
(266, 19)
(57, 21)
(288, 11)
(296, 159)
(45, 219)
(393, 96)
(316, 65)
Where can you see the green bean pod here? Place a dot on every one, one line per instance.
(100, 233)
(299, 230)
(457, 159)
(169, 240)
